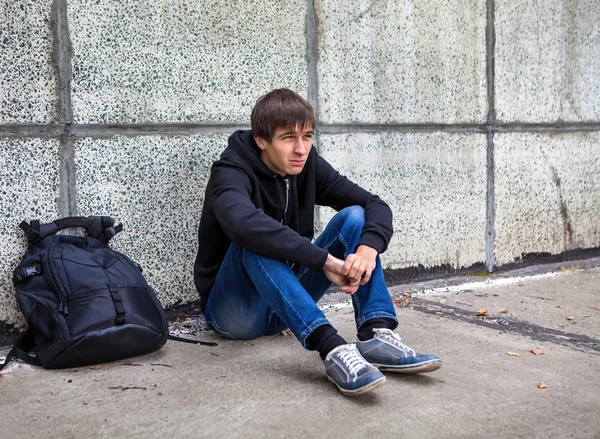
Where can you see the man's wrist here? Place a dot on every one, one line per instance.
(368, 249)
(333, 264)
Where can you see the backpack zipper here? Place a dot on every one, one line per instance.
(62, 294)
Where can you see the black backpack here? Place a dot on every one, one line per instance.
(84, 302)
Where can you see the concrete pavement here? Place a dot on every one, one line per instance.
(271, 387)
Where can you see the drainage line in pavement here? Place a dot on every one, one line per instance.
(539, 333)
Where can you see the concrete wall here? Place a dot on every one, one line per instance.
(477, 120)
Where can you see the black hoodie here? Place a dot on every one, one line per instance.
(247, 203)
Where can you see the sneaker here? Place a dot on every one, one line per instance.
(387, 352)
(350, 372)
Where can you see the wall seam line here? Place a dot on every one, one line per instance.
(104, 131)
(61, 57)
(312, 64)
(490, 229)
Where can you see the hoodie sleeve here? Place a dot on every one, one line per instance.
(248, 226)
(336, 191)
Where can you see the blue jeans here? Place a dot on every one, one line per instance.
(254, 295)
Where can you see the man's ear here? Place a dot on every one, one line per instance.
(260, 142)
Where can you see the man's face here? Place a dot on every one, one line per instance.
(287, 152)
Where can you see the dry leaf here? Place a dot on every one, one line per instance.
(569, 269)
(570, 318)
(513, 354)
(480, 294)
(400, 301)
(95, 367)
(587, 315)
(335, 309)
(443, 296)
(595, 308)
(542, 385)
(537, 351)
(406, 294)
(504, 311)
(496, 294)
(187, 319)
(482, 312)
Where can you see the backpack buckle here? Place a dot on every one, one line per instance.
(31, 270)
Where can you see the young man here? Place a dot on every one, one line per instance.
(257, 270)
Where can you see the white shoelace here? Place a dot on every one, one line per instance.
(394, 339)
(351, 358)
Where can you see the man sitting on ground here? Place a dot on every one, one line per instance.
(257, 270)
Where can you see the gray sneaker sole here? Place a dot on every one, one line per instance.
(424, 367)
(364, 389)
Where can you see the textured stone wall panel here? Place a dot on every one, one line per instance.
(547, 193)
(435, 185)
(402, 61)
(180, 61)
(28, 83)
(547, 60)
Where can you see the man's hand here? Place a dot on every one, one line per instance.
(333, 270)
(359, 266)
(354, 271)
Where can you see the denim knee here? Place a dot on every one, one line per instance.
(352, 221)
(354, 215)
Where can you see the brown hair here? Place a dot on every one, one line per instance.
(280, 108)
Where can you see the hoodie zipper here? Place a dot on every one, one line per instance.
(287, 202)
(287, 197)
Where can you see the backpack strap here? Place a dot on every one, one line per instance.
(27, 344)
(32, 232)
(118, 302)
(99, 227)
(189, 340)
(21, 351)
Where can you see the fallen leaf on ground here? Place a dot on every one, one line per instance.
(504, 311)
(406, 294)
(570, 269)
(482, 312)
(537, 351)
(513, 354)
(595, 308)
(443, 296)
(187, 319)
(481, 294)
(570, 318)
(400, 301)
(96, 367)
(496, 294)
(587, 315)
(542, 385)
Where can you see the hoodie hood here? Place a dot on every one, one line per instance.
(242, 142)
